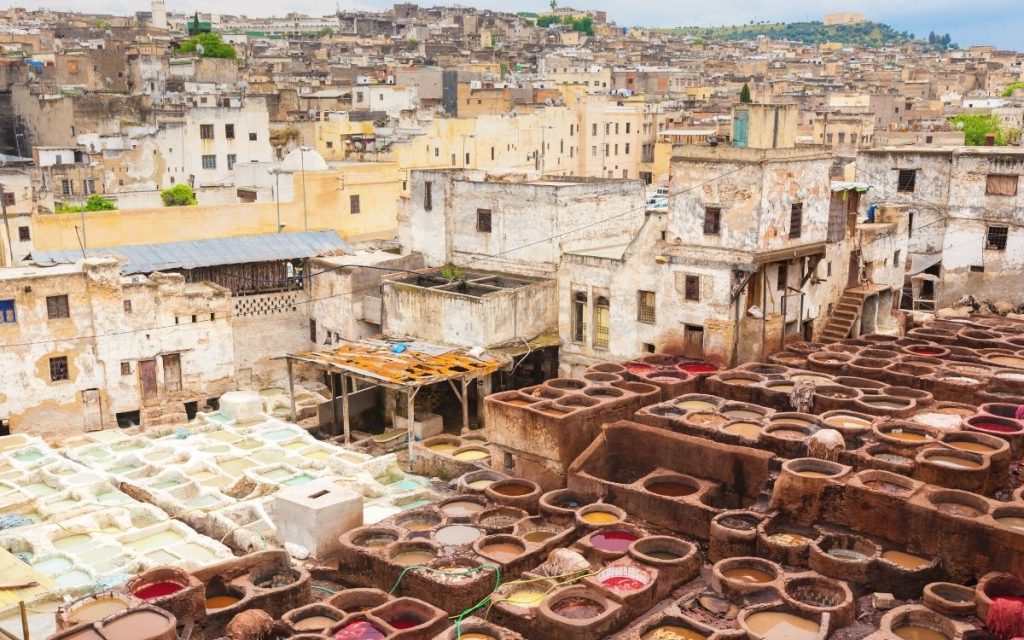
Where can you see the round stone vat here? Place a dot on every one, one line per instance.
(844, 557)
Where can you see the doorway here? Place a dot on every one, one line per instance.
(172, 372)
(147, 379)
(693, 343)
(853, 275)
(92, 410)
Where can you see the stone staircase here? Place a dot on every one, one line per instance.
(844, 315)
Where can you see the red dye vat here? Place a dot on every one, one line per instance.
(622, 583)
(1019, 599)
(359, 630)
(698, 367)
(992, 426)
(613, 541)
(158, 590)
(927, 352)
(404, 622)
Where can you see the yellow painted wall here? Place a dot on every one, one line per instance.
(327, 207)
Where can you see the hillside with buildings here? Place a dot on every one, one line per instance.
(446, 323)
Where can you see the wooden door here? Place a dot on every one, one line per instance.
(92, 410)
(694, 342)
(147, 379)
(172, 372)
(853, 277)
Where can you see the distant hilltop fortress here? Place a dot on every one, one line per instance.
(846, 17)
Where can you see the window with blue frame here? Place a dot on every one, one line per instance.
(7, 314)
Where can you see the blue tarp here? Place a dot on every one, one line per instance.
(191, 254)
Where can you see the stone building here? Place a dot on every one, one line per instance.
(86, 349)
(964, 210)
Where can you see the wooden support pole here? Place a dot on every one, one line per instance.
(465, 405)
(291, 389)
(334, 404)
(344, 408)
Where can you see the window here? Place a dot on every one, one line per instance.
(796, 219)
(842, 137)
(89, 186)
(312, 330)
(58, 369)
(645, 306)
(627, 127)
(692, 290)
(24, 235)
(593, 129)
(579, 317)
(7, 312)
(896, 258)
(492, 153)
(206, 132)
(977, 268)
(353, 204)
(483, 220)
(127, 306)
(209, 162)
(783, 276)
(252, 137)
(602, 323)
(616, 128)
(712, 221)
(627, 149)
(232, 159)
(996, 238)
(572, 129)
(126, 368)
(998, 185)
(229, 131)
(8, 198)
(67, 187)
(428, 200)
(607, 129)
(57, 307)
(593, 150)
(906, 181)
(910, 224)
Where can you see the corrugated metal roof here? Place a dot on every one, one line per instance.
(190, 254)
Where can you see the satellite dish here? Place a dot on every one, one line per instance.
(200, 49)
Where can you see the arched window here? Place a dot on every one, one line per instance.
(602, 322)
(579, 317)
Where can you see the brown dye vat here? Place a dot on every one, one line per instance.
(578, 608)
(917, 632)
(747, 430)
(776, 625)
(958, 509)
(138, 625)
(742, 414)
(94, 610)
(513, 489)
(414, 557)
(461, 508)
(789, 434)
(457, 535)
(539, 535)
(953, 462)
(85, 634)
(502, 551)
(313, 623)
(748, 575)
(974, 447)
(906, 560)
(669, 488)
(670, 632)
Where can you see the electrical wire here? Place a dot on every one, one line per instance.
(285, 307)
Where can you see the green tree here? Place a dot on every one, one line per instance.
(95, 202)
(180, 195)
(977, 126)
(745, 93)
(545, 21)
(1010, 88)
(213, 46)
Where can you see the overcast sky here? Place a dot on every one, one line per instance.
(998, 22)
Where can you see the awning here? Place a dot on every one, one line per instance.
(859, 187)
(192, 254)
(921, 261)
